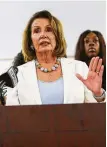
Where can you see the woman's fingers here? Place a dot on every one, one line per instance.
(91, 64)
(80, 77)
(99, 65)
(95, 64)
(101, 71)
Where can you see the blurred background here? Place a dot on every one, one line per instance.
(76, 17)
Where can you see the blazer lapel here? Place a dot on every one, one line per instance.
(69, 80)
(29, 75)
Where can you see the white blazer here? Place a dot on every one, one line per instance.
(27, 91)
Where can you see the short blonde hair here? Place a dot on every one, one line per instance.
(60, 50)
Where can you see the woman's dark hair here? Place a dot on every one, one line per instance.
(80, 49)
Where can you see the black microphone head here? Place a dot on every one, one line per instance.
(10, 77)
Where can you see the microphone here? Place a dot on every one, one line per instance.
(10, 77)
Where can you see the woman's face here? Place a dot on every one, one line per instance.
(92, 45)
(42, 35)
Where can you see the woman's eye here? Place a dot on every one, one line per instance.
(86, 41)
(49, 29)
(95, 40)
(36, 30)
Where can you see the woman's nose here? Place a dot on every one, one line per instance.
(91, 44)
(43, 35)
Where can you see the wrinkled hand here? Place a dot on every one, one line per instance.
(94, 78)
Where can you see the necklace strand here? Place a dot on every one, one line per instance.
(53, 68)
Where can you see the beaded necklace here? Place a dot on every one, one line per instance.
(53, 68)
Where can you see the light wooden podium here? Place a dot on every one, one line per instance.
(66, 125)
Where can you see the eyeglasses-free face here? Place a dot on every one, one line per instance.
(91, 44)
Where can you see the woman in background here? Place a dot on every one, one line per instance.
(92, 44)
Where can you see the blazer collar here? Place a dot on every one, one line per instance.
(30, 76)
(68, 70)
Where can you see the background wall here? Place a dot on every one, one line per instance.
(76, 16)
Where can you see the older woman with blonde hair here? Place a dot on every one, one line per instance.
(48, 77)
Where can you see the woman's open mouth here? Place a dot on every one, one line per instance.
(44, 43)
(92, 50)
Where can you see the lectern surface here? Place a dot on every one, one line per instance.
(66, 125)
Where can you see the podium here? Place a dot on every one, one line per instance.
(65, 125)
